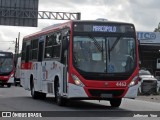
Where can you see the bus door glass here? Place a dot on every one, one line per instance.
(41, 48)
(64, 57)
(40, 58)
(27, 53)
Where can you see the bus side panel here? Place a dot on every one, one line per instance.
(18, 69)
(47, 77)
(51, 70)
(132, 92)
(75, 91)
(37, 75)
(11, 79)
(25, 79)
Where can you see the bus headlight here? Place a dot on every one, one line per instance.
(77, 81)
(12, 75)
(134, 81)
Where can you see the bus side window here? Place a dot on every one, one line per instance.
(57, 46)
(58, 38)
(34, 49)
(48, 46)
(23, 50)
(27, 53)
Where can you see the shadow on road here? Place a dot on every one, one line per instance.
(74, 108)
(83, 104)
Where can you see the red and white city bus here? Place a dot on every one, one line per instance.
(82, 60)
(6, 68)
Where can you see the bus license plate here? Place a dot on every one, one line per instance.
(106, 95)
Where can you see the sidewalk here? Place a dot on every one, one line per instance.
(152, 98)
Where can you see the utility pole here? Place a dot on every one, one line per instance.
(17, 49)
(18, 43)
(15, 54)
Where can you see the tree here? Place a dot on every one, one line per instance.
(157, 29)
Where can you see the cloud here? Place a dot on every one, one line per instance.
(4, 45)
(143, 14)
(149, 4)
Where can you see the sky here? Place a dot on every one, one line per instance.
(143, 14)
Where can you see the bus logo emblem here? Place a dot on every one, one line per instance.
(106, 83)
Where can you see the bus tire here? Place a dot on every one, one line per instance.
(59, 99)
(9, 85)
(15, 83)
(42, 96)
(34, 93)
(115, 102)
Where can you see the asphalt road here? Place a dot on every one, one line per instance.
(18, 99)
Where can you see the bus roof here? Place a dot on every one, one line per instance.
(101, 21)
(52, 28)
(48, 30)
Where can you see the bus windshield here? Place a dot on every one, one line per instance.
(104, 54)
(6, 65)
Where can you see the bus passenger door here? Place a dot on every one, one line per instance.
(64, 58)
(40, 53)
(39, 71)
(65, 71)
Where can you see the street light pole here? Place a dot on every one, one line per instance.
(17, 48)
(18, 43)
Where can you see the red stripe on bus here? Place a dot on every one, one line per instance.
(27, 66)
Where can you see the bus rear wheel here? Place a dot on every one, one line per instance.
(115, 102)
(42, 95)
(8, 85)
(34, 93)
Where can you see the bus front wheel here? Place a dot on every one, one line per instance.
(59, 99)
(115, 102)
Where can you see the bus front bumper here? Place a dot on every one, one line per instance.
(132, 92)
(6, 81)
(75, 91)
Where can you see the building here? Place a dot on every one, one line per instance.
(149, 51)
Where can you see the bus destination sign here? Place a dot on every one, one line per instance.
(107, 28)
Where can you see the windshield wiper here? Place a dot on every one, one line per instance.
(114, 44)
(96, 43)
